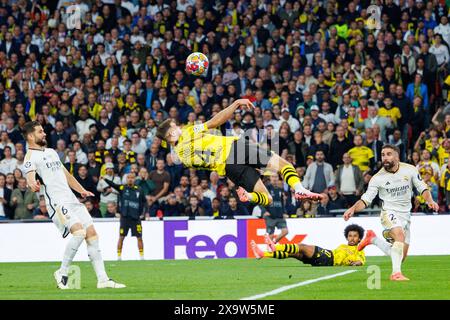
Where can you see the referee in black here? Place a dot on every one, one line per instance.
(131, 203)
(274, 215)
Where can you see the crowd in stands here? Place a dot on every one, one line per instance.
(330, 88)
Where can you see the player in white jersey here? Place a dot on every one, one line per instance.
(394, 185)
(46, 174)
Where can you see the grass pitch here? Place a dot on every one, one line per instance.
(231, 279)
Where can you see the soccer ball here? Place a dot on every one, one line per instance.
(197, 64)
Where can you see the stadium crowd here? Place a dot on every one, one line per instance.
(331, 84)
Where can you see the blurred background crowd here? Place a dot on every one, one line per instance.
(331, 82)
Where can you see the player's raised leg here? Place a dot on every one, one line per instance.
(260, 195)
(61, 275)
(95, 256)
(290, 176)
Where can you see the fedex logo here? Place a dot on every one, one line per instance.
(190, 239)
(202, 245)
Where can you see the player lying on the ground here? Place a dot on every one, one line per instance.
(238, 159)
(394, 185)
(44, 169)
(344, 255)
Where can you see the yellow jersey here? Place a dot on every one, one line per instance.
(197, 148)
(393, 112)
(361, 157)
(344, 255)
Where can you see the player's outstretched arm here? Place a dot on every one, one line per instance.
(75, 185)
(226, 114)
(430, 202)
(34, 185)
(358, 206)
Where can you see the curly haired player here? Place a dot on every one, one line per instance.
(344, 255)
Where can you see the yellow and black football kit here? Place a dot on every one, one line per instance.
(343, 255)
(232, 157)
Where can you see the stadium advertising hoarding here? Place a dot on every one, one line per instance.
(191, 239)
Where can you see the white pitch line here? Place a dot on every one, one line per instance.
(299, 284)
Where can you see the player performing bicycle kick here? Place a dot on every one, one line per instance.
(236, 158)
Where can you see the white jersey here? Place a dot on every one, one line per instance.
(395, 189)
(54, 185)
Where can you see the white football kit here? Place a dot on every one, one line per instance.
(63, 207)
(395, 191)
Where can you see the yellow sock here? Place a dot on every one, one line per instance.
(119, 252)
(280, 255)
(259, 198)
(289, 248)
(291, 177)
(141, 252)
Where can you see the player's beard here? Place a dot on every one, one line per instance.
(42, 142)
(388, 165)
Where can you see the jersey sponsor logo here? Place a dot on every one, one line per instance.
(53, 165)
(198, 128)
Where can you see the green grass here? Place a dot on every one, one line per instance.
(230, 279)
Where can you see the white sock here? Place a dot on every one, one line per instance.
(299, 188)
(382, 245)
(70, 252)
(397, 256)
(96, 259)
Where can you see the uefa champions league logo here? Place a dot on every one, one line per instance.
(74, 17)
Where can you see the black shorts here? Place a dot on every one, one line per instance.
(321, 258)
(127, 223)
(244, 158)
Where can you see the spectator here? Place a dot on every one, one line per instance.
(8, 164)
(374, 144)
(86, 181)
(161, 179)
(5, 197)
(336, 199)
(383, 122)
(361, 155)
(172, 207)
(194, 209)
(306, 210)
(144, 183)
(319, 174)
(93, 211)
(23, 201)
(41, 212)
(107, 193)
(325, 207)
(215, 206)
(235, 209)
(299, 149)
(349, 180)
(340, 144)
(112, 210)
(420, 204)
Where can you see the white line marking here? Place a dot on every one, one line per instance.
(295, 285)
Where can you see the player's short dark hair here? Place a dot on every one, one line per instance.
(354, 227)
(29, 128)
(391, 146)
(163, 128)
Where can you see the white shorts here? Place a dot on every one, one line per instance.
(67, 215)
(391, 219)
